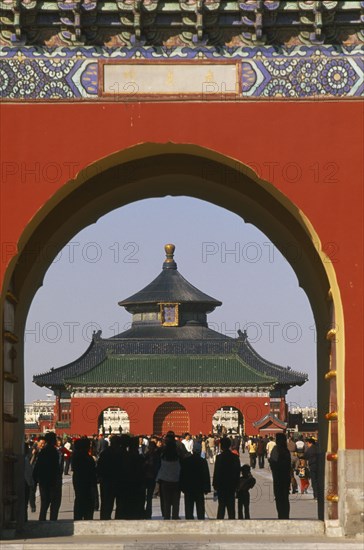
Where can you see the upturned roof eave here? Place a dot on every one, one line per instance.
(58, 369)
(170, 286)
(293, 378)
(269, 417)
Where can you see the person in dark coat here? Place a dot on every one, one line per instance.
(101, 444)
(109, 472)
(235, 444)
(37, 447)
(67, 450)
(280, 464)
(94, 443)
(291, 446)
(312, 461)
(136, 482)
(59, 447)
(124, 479)
(195, 482)
(151, 468)
(246, 482)
(261, 452)
(28, 478)
(226, 479)
(168, 478)
(84, 480)
(48, 474)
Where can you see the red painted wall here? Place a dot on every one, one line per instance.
(43, 145)
(85, 412)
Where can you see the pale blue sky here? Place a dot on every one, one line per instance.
(123, 252)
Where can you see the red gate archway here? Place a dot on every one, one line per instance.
(113, 420)
(228, 419)
(157, 170)
(171, 416)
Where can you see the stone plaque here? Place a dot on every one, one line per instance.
(133, 80)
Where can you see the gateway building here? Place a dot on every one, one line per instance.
(170, 371)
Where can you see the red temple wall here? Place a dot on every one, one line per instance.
(86, 410)
(311, 151)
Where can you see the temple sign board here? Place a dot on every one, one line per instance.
(138, 79)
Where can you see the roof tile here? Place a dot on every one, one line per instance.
(126, 370)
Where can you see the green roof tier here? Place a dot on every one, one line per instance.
(164, 370)
(198, 346)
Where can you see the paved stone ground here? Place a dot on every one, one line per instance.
(262, 504)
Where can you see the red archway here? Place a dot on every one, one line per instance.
(291, 216)
(228, 419)
(113, 420)
(171, 416)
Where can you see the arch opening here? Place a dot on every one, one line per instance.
(171, 416)
(113, 420)
(228, 420)
(156, 171)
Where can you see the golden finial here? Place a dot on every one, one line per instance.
(169, 261)
(169, 248)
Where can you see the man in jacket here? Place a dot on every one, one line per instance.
(110, 472)
(195, 482)
(291, 446)
(37, 447)
(312, 461)
(226, 479)
(280, 463)
(261, 452)
(48, 473)
(188, 443)
(101, 445)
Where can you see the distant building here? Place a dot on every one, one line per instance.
(39, 416)
(169, 371)
(309, 414)
(303, 420)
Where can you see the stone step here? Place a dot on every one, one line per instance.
(182, 543)
(181, 535)
(238, 528)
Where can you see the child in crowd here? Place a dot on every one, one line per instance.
(303, 474)
(246, 482)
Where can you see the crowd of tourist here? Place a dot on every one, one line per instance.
(124, 473)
